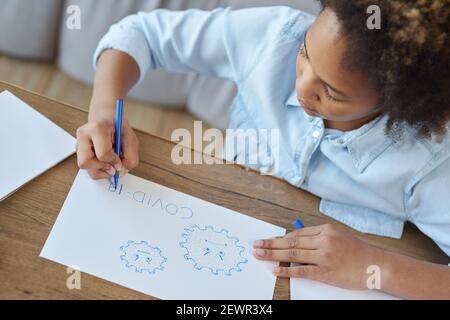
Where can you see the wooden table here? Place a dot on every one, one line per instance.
(27, 217)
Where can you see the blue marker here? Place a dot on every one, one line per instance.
(298, 224)
(118, 135)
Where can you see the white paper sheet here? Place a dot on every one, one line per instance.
(306, 289)
(161, 242)
(30, 144)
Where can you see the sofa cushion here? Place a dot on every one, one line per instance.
(28, 29)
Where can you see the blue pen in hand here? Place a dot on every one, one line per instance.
(118, 135)
(298, 224)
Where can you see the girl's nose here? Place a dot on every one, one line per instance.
(306, 89)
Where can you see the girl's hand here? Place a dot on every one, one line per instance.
(330, 255)
(95, 141)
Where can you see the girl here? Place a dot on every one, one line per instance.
(362, 115)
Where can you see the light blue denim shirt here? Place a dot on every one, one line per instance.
(363, 178)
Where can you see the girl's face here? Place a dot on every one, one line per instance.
(324, 88)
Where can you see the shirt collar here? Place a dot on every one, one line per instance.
(368, 142)
(364, 144)
(292, 100)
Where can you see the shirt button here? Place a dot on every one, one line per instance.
(340, 141)
(316, 134)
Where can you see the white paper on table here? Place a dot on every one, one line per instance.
(30, 144)
(306, 289)
(161, 242)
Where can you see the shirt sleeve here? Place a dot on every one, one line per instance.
(221, 43)
(428, 205)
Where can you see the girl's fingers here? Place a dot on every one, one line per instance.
(99, 174)
(306, 232)
(289, 255)
(86, 157)
(130, 151)
(104, 150)
(308, 272)
(288, 243)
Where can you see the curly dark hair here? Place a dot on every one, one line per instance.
(406, 60)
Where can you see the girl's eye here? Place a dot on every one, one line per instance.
(328, 95)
